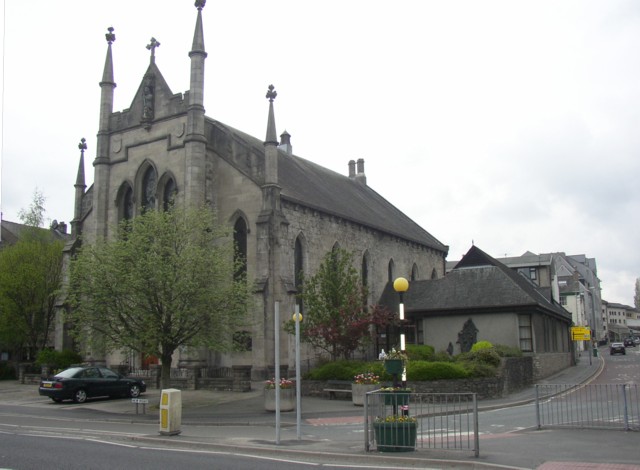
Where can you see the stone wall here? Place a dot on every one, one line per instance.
(191, 378)
(548, 364)
(515, 374)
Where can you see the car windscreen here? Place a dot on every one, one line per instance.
(66, 374)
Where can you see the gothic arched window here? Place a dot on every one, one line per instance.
(390, 271)
(127, 204)
(149, 183)
(365, 271)
(365, 278)
(240, 242)
(169, 194)
(414, 272)
(124, 202)
(298, 269)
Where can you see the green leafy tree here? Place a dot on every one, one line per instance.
(166, 281)
(337, 319)
(30, 281)
(34, 216)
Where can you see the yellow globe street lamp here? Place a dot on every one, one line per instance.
(297, 318)
(401, 285)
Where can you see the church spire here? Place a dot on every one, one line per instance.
(271, 142)
(107, 86)
(80, 186)
(107, 74)
(195, 140)
(80, 182)
(198, 35)
(271, 121)
(101, 162)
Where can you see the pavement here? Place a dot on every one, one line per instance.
(237, 422)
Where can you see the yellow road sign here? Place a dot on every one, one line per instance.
(580, 333)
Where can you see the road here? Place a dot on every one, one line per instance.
(35, 450)
(37, 433)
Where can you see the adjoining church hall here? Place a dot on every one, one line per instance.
(483, 299)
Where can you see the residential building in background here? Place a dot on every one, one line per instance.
(622, 321)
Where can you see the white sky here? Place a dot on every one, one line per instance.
(512, 124)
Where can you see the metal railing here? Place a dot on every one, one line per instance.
(596, 406)
(404, 421)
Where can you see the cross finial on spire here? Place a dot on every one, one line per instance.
(271, 94)
(200, 4)
(152, 47)
(110, 36)
(82, 145)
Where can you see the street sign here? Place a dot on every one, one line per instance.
(139, 400)
(580, 333)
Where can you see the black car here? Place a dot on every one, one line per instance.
(80, 383)
(629, 343)
(617, 348)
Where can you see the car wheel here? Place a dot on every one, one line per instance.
(80, 396)
(134, 391)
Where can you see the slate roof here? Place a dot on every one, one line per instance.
(477, 283)
(316, 187)
(12, 231)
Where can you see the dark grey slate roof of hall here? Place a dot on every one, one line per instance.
(316, 187)
(13, 231)
(478, 282)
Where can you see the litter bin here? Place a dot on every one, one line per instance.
(595, 352)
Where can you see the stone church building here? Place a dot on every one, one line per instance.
(286, 212)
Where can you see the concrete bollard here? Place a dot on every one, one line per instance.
(170, 412)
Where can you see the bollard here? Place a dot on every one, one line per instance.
(170, 412)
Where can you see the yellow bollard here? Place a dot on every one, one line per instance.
(170, 412)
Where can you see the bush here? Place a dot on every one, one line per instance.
(419, 352)
(443, 356)
(481, 345)
(338, 370)
(481, 363)
(507, 351)
(482, 356)
(479, 369)
(7, 371)
(47, 357)
(423, 370)
(58, 359)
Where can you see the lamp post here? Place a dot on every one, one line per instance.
(297, 318)
(401, 285)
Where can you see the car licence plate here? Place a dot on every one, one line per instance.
(47, 385)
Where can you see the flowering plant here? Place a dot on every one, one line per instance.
(395, 354)
(395, 389)
(368, 378)
(284, 383)
(396, 419)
